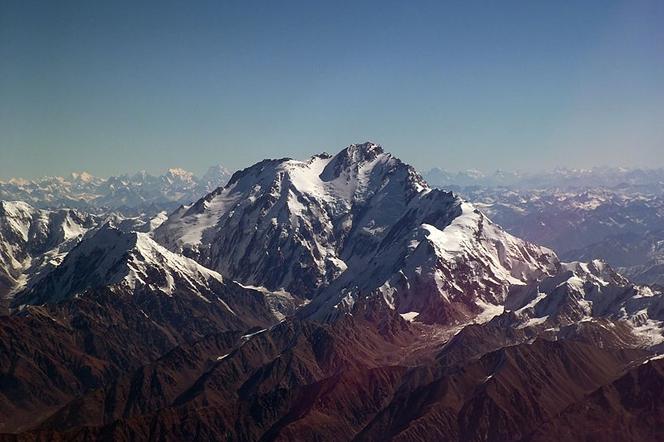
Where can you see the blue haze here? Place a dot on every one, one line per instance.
(119, 86)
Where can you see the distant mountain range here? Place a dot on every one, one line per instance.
(561, 178)
(129, 194)
(340, 297)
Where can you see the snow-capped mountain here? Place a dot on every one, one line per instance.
(471, 177)
(129, 260)
(131, 263)
(583, 292)
(335, 227)
(33, 241)
(131, 194)
(622, 225)
(216, 176)
(636, 255)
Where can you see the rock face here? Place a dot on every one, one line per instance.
(334, 227)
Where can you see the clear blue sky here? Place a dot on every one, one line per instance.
(118, 86)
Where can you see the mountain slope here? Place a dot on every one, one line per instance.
(133, 265)
(305, 381)
(116, 302)
(621, 225)
(629, 408)
(53, 353)
(33, 241)
(585, 292)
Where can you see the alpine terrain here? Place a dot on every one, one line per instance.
(339, 297)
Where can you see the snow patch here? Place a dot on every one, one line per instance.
(409, 316)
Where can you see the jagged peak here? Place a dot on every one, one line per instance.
(256, 169)
(12, 208)
(83, 177)
(322, 156)
(112, 257)
(179, 173)
(364, 150)
(110, 239)
(356, 154)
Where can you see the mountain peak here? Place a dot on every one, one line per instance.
(14, 208)
(83, 177)
(366, 151)
(180, 174)
(352, 160)
(127, 259)
(216, 171)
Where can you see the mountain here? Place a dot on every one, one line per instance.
(638, 256)
(334, 227)
(621, 225)
(215, 176)
(440, 177)
(33, 241)
(132, 264)
(584, 292)
(130, 194)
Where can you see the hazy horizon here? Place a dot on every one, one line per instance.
(201, 172)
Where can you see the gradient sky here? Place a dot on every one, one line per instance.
(112, 87)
